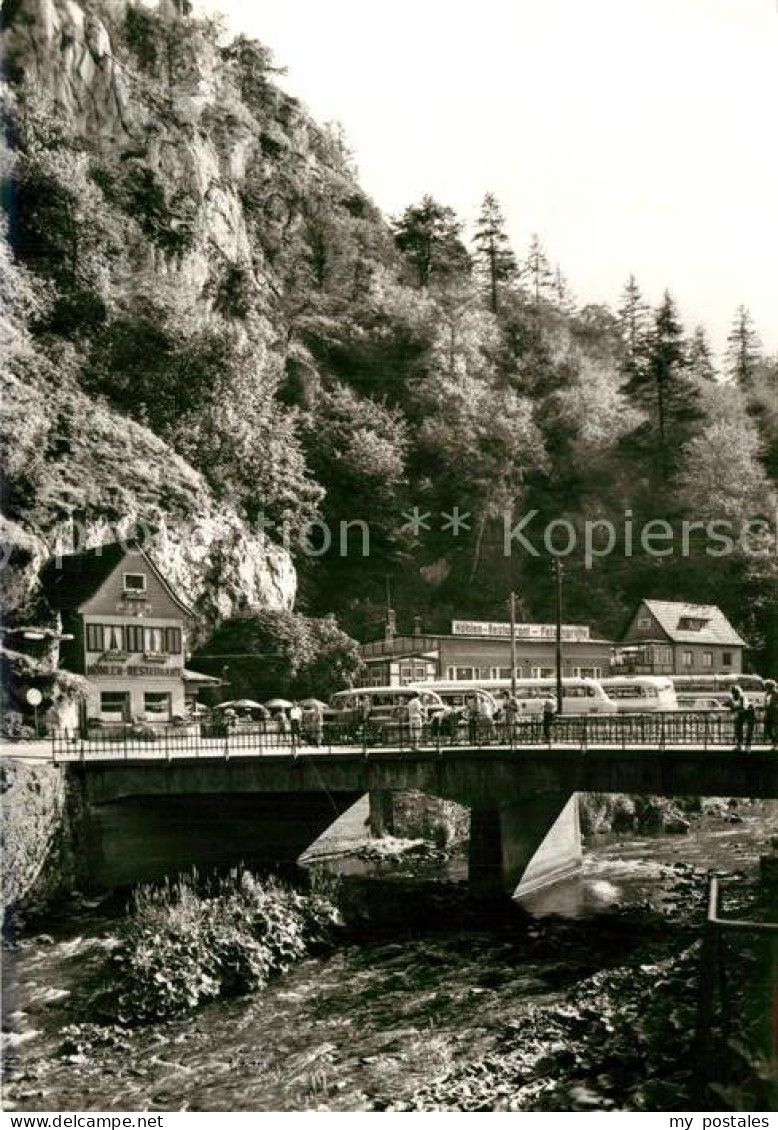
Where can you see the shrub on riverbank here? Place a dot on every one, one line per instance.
(182, 946)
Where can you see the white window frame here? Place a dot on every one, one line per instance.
(132, 588)
(153, 634)
(108, 641)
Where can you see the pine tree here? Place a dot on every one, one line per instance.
(563, 293)
(662, 388)
(743, 349)
(428, 235)
(634, 325)
(494, 257)
(700, 356)
(538, 269)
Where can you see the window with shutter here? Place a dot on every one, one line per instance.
(173, 641)
(94, 637)
(134, 638)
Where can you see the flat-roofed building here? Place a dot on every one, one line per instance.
(478, 649)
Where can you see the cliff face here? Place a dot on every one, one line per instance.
(140, 81)
(133, 86)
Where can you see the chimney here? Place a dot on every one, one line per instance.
(417, 625)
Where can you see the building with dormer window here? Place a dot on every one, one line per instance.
(129, 633)
(668, 637)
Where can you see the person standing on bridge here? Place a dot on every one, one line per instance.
(486, 718)
(771, 712)
(745, 719)
(549, 710)
(415, 711)
(472, 719)
(315, 721)
(510, 716)
(296, 723)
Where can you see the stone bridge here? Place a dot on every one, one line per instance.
(173, 812)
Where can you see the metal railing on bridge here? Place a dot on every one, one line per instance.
(624, 731)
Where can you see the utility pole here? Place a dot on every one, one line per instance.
(513, 643)
(558, 602)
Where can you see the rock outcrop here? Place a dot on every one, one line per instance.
(128, 86)
(37, 857)
(113, 479)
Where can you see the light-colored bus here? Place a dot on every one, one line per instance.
(381, 705)
(579, 695)
(640, 694)
(701, 692)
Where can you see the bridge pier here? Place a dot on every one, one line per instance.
(521, 847)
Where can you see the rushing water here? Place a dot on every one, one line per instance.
(428, 981)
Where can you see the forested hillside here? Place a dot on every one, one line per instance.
(208, 320)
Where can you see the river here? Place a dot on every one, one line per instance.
(429, 997)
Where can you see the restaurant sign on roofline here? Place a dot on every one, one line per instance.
(570, 632)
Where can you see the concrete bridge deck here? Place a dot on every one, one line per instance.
(154, 807)
(470, 775)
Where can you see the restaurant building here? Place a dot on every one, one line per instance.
(478, 649)
(128, 630)
(668, 637)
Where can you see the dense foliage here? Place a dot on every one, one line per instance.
(181, 947)
(213, 271)
(266, 652)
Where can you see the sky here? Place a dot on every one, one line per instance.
(634, 136)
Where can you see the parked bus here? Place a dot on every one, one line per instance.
(640, 694)
(579, 695)
(701, 692)
(380, 706)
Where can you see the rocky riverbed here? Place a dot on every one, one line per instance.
(583, 998)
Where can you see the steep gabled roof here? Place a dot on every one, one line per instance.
(716, 630)
(69, 582)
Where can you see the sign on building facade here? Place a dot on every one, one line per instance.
(570, 632)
